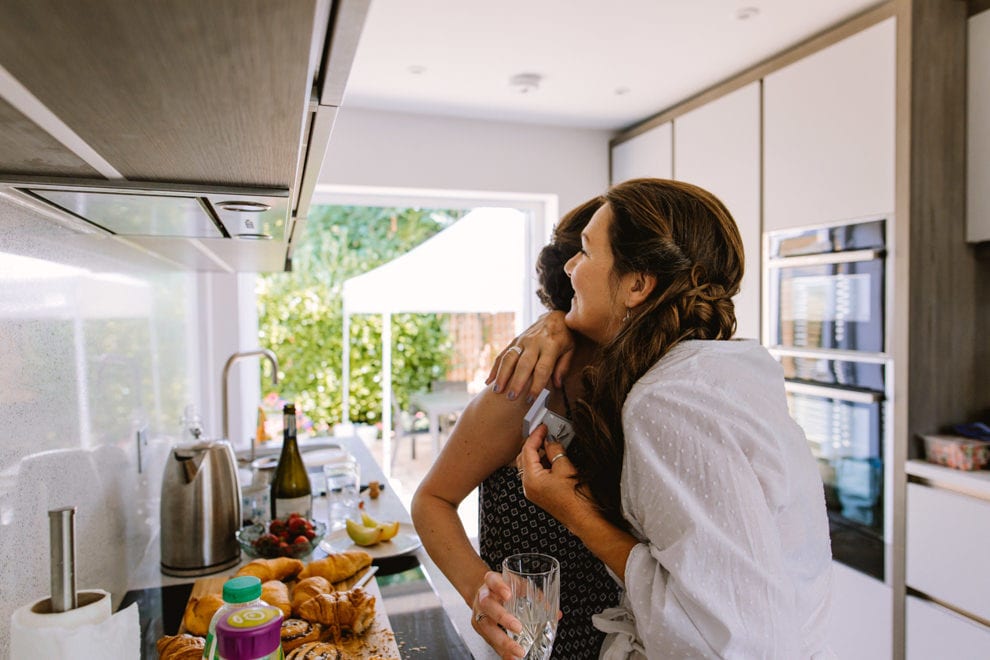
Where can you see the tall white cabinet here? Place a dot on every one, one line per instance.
(717, 147)
(649, 154)
(829, 133)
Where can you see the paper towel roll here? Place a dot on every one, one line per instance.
(89, 631)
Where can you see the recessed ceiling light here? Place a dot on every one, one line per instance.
(416, 69)
(746, 13)
(525, 83)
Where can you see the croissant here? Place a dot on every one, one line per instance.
(276, 594)
(316, 651)
(296, 632)
(280, 568)
(180, 647)
(200, 611)
(341, 612)
(306, 589)
(337, 567)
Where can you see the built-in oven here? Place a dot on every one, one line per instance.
(824, 321)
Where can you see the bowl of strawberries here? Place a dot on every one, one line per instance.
(294, 536)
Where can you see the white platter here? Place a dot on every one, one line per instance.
(402, 543)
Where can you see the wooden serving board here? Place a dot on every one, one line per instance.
(377, 643)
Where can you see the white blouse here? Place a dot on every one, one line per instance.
(720, 485)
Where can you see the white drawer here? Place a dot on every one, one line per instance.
(935, 632)
(948, 535)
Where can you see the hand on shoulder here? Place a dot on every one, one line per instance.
(542, 351)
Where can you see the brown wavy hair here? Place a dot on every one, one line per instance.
(684, 237)
(555, 290)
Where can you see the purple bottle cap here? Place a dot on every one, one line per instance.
(249, 633)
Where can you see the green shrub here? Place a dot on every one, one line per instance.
(300, 315)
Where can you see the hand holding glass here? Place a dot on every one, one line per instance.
(534, 580)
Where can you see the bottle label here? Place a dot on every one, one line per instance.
(301, 505)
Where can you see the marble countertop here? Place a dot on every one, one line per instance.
(429, 617)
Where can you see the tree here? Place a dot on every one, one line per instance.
(300, 314)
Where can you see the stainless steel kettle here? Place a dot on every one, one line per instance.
(200, 509)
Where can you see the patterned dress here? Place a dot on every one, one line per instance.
(510, 523)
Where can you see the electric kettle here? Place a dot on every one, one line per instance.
(200, 509)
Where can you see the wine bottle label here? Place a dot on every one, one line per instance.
(301, 505)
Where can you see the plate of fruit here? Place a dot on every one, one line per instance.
(294, 536)
(379, 539)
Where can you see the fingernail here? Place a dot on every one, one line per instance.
(496, 389)
(530, 400)
(512, 396)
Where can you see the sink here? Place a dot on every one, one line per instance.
(320, 449)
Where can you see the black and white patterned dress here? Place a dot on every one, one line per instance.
(509, 523)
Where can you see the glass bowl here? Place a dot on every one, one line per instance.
(253, 545)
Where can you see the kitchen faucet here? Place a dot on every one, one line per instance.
(260, 352)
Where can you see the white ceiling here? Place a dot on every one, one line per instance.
(660, 51)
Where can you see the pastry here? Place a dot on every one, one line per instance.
(180, 647)
(337, 567)
(199, 612)
(296, 632)
(280, 568)
(316, 651)
(341, 612)
(276, 594)
(306, 589)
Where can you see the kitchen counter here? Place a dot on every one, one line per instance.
(425, 611)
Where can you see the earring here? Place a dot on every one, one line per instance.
(625, 319)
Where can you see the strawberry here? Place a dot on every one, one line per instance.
(301, 540)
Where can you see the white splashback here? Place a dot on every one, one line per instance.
(93, 346)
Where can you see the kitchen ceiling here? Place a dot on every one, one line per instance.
(602, 65)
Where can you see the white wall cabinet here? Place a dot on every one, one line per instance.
(829, 133)
(717, 147)
(648, 154)
(936, 632)
(978, 130)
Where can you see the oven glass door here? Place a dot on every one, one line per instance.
(819, 303)
(844, 428)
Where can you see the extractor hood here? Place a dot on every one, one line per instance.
(127, 209)
(191, 131)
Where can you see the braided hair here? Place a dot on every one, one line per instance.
(683, 236)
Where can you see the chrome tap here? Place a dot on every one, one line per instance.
(259, 352)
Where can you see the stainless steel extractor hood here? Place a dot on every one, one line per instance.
(163, 210)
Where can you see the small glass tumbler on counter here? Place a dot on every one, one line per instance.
(534, 579)
(343, 477)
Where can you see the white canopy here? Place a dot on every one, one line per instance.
(475, 265)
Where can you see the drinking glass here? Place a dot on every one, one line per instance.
(343, 477)
(534, 579)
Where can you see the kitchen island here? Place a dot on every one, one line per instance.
(427, 615)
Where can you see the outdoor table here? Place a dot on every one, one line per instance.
(438, 404)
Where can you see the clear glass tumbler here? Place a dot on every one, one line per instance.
(535, 583)
(343, 479)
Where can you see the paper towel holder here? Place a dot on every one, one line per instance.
(62, 537)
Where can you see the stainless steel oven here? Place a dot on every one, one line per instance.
(825, 307)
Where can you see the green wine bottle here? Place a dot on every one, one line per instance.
(291, 492)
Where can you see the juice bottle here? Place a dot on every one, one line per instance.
(238, 593)
(250, 633)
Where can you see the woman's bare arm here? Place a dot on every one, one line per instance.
(487, 436)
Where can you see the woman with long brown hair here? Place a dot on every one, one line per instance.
(687, 477)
